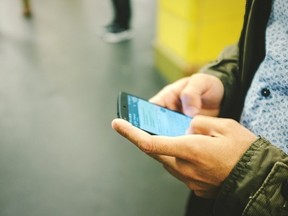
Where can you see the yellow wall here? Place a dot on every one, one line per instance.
(195, 31)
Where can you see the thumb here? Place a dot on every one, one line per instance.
(203, 91)
(191, 97)
(191, 103)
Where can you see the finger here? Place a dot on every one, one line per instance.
(203, 189)
(202, 125)
(202, 95)
(192, 94)
(163, 158)
(140, 138)
(183, 147)
(169, 96)
(207, 194)
(210, 126)
(171, 165)
(175, 174)
(185, 172)
(167, 99)
(191, 99)
(127, 130)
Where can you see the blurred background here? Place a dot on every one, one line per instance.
(58, 87)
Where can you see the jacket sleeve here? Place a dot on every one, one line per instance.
(227, 70)
(258, 184)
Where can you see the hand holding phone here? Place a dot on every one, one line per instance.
(150, 117)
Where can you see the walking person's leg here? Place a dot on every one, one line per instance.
(124, 13)
(119, 29)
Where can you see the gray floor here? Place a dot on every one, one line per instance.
(58, 88)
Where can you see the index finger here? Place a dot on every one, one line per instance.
(210, 126)
(169, 96)
(184, 147)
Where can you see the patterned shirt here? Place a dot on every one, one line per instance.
(266, 106)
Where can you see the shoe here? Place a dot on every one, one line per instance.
(113, 33)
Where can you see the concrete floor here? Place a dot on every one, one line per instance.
(58, 88)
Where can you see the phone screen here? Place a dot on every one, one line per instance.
(156, 119)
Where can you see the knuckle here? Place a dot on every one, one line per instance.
(196, 120)
(146, 146)
(190, 186)
(183, 170)
(193, 186)
(227, 123)
(185, 94)
(167, 88)
(185, 174)
(199, 193)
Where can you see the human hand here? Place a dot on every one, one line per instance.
(201, 160)
(198, 94)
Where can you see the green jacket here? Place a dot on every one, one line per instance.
(258, 184)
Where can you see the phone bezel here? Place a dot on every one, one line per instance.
(122, 106)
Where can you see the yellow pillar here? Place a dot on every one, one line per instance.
(191, 33)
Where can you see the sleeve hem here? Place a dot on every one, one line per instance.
(247, 177)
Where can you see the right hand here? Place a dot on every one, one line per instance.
(198, 94)
(201, 160)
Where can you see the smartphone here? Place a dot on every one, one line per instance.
(150, 117)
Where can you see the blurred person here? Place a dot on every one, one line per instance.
(119, 29)
(26, 8)
(236, 101)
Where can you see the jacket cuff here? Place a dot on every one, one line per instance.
(247, 177)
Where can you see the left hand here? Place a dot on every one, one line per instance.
(201, 160)
(199, 94)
